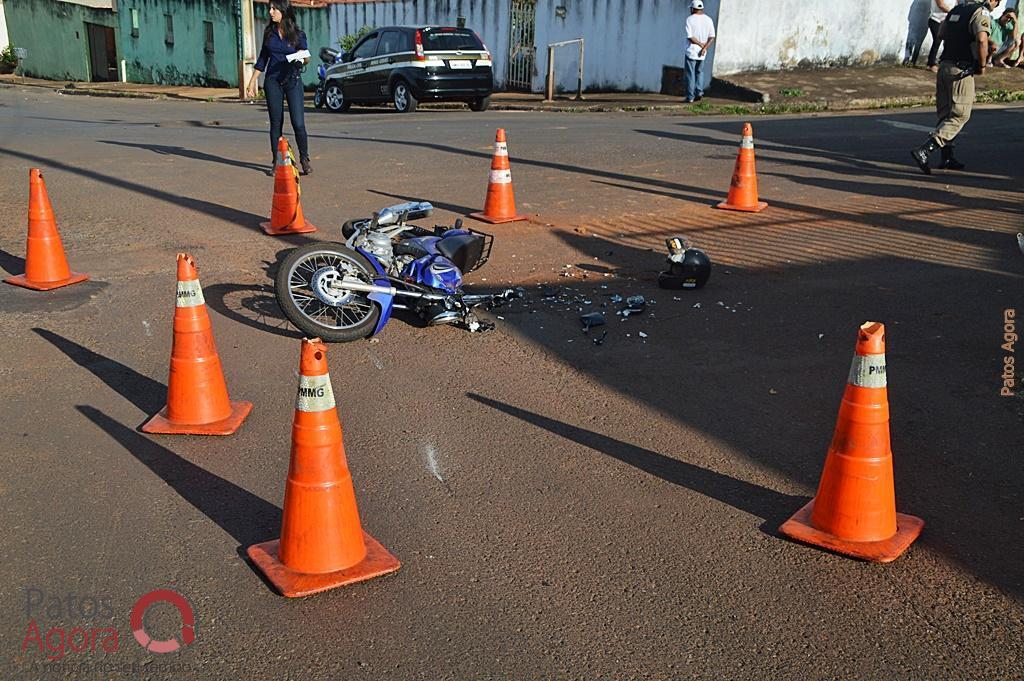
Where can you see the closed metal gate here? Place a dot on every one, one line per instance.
(522, 51)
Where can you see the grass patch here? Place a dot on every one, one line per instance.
(999, 96)
(791, 92)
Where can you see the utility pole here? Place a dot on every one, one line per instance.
(246, 45)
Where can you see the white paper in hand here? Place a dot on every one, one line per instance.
(299, 56)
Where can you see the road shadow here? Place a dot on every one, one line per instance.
(165, 150)
(11, 263)
(771, 506)
(450, 207)
(215, 210)
(142, 391)
(254, 305)
(757, 360)
(243, 515)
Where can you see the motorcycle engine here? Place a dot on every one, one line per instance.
(380, 246)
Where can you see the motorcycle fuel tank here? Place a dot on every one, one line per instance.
(434, 271)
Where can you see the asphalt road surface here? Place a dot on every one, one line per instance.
(561, 509)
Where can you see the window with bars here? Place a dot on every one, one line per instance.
(208, 31)
(169, 32)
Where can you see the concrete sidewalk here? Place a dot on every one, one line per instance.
(798, 90)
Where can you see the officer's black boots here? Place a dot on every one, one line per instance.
(948, 161)
(922, 153)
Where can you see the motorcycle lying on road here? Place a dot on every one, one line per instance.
(346, 291)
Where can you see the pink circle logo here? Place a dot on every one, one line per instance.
(188, 621)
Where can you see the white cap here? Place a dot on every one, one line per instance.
(696, 4)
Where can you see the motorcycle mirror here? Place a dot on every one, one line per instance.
(458, 223)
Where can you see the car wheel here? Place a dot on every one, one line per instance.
(334, 97)
(403, 98)
(480, 103)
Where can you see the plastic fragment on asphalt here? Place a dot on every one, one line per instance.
(592, 319)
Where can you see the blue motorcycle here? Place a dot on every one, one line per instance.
(329, 57)
(343, 292)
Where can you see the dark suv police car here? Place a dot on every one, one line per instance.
(409, 64)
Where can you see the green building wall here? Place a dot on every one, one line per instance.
(151, 59)
(54, 33)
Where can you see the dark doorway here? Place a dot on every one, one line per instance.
(102, 52)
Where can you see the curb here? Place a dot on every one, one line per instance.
(742, 92)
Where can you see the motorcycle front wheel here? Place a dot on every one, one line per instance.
(305, 293)
(318, 98)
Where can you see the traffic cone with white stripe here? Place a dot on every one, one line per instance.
(743, 188)
(46, 266)
(322, 544)
(500, 205)
(854, 511)
(286, 211)
(197, 397)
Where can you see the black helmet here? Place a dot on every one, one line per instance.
(687, 267)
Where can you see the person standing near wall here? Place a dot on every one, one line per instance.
(700, 33)
(965, 32)
(281, 38)
(940, 8)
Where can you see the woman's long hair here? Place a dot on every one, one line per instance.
(288, 24)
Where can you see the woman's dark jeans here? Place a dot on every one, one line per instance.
(933, 55)
(276, 95)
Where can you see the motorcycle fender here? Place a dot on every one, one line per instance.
(383, 300)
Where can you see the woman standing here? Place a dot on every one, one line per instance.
(283, 80)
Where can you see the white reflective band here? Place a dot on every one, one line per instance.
(747, 143)
(284, 159)
(315, 393)
(190, 294)
(867, 371)
(501, 177)
(501, 149)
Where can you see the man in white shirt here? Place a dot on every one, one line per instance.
(700, 33)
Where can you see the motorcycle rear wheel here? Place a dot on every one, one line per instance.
(318, 310)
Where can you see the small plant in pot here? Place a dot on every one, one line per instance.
(8, 60)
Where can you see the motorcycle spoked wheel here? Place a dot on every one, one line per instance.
(316, 309)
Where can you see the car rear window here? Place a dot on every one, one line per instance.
(450, 40)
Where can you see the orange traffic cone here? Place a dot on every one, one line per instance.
(286, 212)
(322, 544)
(500, 205)
(197, 398)
(854, 512)
(46, 267)
(743, 188)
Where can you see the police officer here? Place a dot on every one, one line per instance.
(965, 52)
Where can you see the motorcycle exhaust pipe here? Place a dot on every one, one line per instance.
(354, 285)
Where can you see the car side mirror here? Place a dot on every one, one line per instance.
(346, 56)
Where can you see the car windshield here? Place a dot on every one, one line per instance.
(450, 40)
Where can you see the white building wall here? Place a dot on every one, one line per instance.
(4, 38)
(627, 41)
(818, 32)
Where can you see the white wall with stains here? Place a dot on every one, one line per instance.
(777, 34)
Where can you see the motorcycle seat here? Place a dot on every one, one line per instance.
(464, 250)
